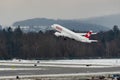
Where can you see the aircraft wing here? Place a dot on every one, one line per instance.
(67, 35)
(63, 34)
(83, 34)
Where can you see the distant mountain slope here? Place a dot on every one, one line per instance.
(108, 21)
(0, 27)
(71, 24)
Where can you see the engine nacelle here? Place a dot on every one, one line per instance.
(57, 34)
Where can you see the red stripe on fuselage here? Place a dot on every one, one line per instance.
(59, 28)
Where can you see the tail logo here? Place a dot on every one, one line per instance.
(88, 34)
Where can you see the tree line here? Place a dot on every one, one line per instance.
(45, 45)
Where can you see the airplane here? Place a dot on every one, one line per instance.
(81, 37)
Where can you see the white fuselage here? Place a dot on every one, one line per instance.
(62, 31)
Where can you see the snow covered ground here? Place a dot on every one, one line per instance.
(64, 63)
(44, 65)
(87, 61)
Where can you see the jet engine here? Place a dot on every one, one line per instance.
(57, 34)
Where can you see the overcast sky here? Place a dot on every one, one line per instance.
(15, 10)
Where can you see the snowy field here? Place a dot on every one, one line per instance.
(64, 63)
(87, 61)
(27, 68)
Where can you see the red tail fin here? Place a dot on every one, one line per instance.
(88, 34)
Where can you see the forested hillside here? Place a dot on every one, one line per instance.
(16, 44)
(42, 23)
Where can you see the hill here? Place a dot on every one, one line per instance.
(43, 23)
(108, 21)
(0, 27)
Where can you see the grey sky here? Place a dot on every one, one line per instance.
(15, 10)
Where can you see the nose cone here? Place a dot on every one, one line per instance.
(53, 26)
